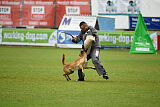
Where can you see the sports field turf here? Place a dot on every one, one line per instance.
(33, 77)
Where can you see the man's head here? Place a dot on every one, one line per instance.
(109, 3)
(131, 3)
(83, 26)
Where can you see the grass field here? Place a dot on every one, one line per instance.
(32, 77)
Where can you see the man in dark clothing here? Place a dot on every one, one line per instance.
(95, 49)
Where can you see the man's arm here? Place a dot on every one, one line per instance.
(77, 38)
(93, 30)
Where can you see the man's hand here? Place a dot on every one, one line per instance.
(74, 39)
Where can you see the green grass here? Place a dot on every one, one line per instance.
(32, 77)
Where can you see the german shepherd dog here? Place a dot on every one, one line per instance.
(80, 63)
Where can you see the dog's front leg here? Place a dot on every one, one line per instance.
(82, 70)
(65, 76)
(81, 67)
(68, 77)
(89, 67)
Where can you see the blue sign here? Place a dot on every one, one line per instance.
(64, 36)
(106, 24)
(152, 23)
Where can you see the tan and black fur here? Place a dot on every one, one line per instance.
(80, 63)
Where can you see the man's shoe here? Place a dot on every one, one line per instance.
(80, 80)
(105, 76)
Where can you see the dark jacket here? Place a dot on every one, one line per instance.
(90, 31)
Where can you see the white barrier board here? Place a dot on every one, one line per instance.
(71, 22)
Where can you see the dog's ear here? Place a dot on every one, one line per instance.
(81, 52)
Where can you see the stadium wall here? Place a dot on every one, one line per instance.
(148, 8)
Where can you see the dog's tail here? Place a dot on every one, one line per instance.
(63, 58)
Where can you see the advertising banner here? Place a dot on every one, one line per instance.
(142, 42)
(10, 12)
(65, 40)
(115, 39)
(118, 7)
(152, 23)
(121, 39)
(38, 13)
(29, 37)
(107, 39)
(72, 22)
(71, 7)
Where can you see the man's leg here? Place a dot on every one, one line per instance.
(99, 67)
(81, 75)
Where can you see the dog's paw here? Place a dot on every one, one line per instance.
(94, 68)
